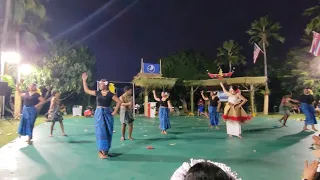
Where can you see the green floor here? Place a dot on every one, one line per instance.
(265, 153)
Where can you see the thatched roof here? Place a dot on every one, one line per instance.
(153, 81)
(237, 80)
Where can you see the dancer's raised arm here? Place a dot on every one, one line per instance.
(155, 96)
(203, 97)
(85, 85)
(19, 91)
(224, 89)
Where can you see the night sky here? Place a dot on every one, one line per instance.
(156, 28)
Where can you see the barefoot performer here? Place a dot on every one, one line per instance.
(234, 114)
(307, 101)
(32, 101)
(126, 116)
(214, 108)
(54, 113)
(103, 116)
(165, 105)
(285, 107)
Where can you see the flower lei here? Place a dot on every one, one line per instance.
(181, 172)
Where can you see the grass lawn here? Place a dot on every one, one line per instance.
(8, 131)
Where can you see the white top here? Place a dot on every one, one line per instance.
(233, 99)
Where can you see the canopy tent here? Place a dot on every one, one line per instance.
(252, 82)
(152, 81)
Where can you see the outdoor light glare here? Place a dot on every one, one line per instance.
(11, 57)
(25, 69)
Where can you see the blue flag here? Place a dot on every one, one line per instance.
(151, 68)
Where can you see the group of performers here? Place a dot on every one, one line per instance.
(103, 117)
(307, 102)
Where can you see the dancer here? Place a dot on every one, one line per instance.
(103, 116)
(32, 101)
(165, 105)
(54, 113)
(214, 108)
(285, 107)
(126, 116)
(234, 114)
(307, 101)
(200, 107)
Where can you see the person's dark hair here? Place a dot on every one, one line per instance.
(53, 93)
(127, 88)
(235, 88)
(206, 171)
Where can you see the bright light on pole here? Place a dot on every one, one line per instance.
(25, 69)
(11, 57)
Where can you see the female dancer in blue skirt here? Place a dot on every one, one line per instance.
(214, 108)
(32, 101)
(103, 116)
(307, 101)
(165, 105)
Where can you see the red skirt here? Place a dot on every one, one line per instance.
(235, 113)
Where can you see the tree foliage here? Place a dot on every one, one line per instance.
(314, 23)
(263, 30)
(186, 65)
(26, 19)
(62, 67)
(229, 54)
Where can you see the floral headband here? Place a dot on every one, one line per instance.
(181, 172)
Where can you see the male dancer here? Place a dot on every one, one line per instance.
(126, 116)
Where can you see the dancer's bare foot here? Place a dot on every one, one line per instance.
(131, 138)
(29, 142)
(305, 129)
(122, 138)
(314, 129)
(240, 137)
(102, 155)
(50, 135)
(165, 132)
(217, 127)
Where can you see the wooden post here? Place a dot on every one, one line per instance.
(133, 101)
(146, 101)
(191, 99)
(253, 113)
(141, 71)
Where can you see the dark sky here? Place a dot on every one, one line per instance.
(155, 28)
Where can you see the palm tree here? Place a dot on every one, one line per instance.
(261, 32)
(229, 54)
(27, 16)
